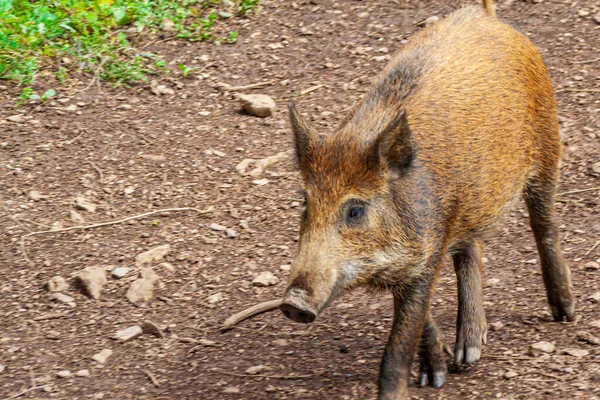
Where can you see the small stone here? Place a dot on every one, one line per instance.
(217, 227)
(16, 118)
(155, 254)
(576, 352)
(595, 324)
(119, 272)
(231, 233)
(596, 168)
(510, 374)
(583, 13)
(496, 326)
(91, 281)
(103, 356)
(63, 298)
(65, 373)
(53, 335)
(428, 21)
(280, 342)
(162, 90)
(142, 289)
(56, 284)
(35, 195)
(84, 204)
(128, 334)
(492, 281)
(259, 105)
(592, 265)
(256, 369)
(168, 266)
(83, 373)
(219, 153)
(168, 25)
(154, 157)
(150, 328)
(76, 217)
(578, 78)
(597, 18)
(260, 182)
(594, 298)
(538, 348)
(2, 368)
(286, 267)
(265, 279)
(231, 390)
(215, 298)
(588, 337)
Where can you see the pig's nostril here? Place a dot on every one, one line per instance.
(296, 313)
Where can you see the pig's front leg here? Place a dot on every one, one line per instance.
(410, 316)
(432, 365)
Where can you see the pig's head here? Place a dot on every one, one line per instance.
(361, 224)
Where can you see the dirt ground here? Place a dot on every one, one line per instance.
(130, 151)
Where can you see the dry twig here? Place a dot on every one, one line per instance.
(24, 392)
(152, 378)
(587, 61)
(230, 88)
(86, 227)
(592, 249)
(99, 171)
(311, 89)
(250, 312)
(577, 90)
(263, 376)
(578, 191)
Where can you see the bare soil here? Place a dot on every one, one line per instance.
(130, 151)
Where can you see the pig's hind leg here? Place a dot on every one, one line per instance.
(471, 326)
(432, 367)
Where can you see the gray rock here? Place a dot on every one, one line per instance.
(510, 374)
(16, 118)
(496, 326)
(259, 105)
(84, 204)
(155, 254)
(102, 356)
(128, 334)
(63, 298)
(265, 279)
(231, 233)
(142, 289)
(256, 369)
(217, 227)
(76, 217)
(119, 272)
(539, 348)
(492, 282)
(215, 298)
(56, 284)
(83, 373)
(65, 373)
(91, 281)
(35, 195)
(576, 352)
(231, 390)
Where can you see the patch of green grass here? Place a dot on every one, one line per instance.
(94, 36)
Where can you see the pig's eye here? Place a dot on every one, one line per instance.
(354, 212)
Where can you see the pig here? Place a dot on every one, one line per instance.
(457, 127)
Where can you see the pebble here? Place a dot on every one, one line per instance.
(231, 233)
(2, 368)
(53, 335)
(128, 334)
(91, 280)
(35, 195)
(215, 298)
(155, 254)
(595, 324)
(56, 284)
(154, 157)
(84, 204)
(120, 272)
(16, 118)
(280, 342)
(286, 267)
(496, 326)
(63, 298)
(65, 373)
(265, 279)
(83, 373)
(76, 217)
(592, 265)
(232, 390)
(103, 356)
(538, 348)
(217, 227)
(428, 21)
(510, 374)
(256, 369)
(142, 289)
(168, 266)
(576, 352)
(259, 105)
(162, 90)
(588, 337)
(594, 298)
(260, 182)
(492, 282)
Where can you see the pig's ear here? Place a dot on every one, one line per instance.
(305, 136)
(392, 149)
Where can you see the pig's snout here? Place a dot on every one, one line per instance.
(295, 308)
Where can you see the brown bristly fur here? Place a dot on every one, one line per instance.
(458, 126)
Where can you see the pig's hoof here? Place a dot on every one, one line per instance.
(565, 311)
(434, 375)
(468, 343)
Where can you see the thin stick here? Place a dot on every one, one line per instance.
(508, 357)
(578, 191)
(86, 227)
(98, 170)
(587, 61)
(96, 74)
(50, 316)
(592, 249)
(250, 312)
(152, 378)
(311, 89)
(264, 376)
(24, 392)
(578, 90)
(229, 88)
